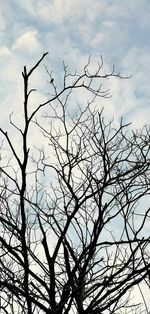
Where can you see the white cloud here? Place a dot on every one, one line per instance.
(4, 51)
(28, 42)
(59, 10)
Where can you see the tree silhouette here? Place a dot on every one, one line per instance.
(73, 211)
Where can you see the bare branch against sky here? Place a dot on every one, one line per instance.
(74, 216)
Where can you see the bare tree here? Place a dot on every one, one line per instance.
(73, 212)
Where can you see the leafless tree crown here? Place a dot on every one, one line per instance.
(74, 210)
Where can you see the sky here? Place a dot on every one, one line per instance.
(71, 31)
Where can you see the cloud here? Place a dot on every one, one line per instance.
(27, 42)
(72, 30)
(4, 51)
(58, 11)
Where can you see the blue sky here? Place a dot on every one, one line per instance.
(70, 31)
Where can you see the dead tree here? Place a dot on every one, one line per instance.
(74, 211)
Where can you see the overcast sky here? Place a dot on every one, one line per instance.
(70, 31)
